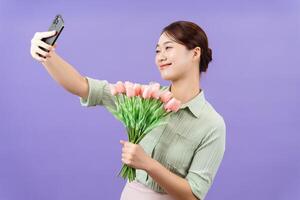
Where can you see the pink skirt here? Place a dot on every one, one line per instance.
(136, 191)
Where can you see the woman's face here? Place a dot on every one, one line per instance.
(177, 55)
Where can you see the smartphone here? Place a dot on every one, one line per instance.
(58, 26)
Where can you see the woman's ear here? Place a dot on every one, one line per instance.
(197, 53)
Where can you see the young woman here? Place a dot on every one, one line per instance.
(175, 161)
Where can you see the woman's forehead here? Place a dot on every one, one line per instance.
(164, 39)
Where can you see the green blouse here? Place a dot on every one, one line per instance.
(191, 145)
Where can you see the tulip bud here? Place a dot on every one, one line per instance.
(165, 96)
(113, 90)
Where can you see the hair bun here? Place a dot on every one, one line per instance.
(209, 55)
(206, 57)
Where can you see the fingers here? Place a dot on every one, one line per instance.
(128, 152)
(41, 55)
(127, 156)
(46, 34)
(39, 58)
(126, 143)
(36, 55)
(40, 43)
(123, 142)
(40, 50)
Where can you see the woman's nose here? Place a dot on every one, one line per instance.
(162, 58)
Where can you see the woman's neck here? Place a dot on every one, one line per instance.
(185, 90)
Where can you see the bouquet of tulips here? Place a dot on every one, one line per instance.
(140, 108)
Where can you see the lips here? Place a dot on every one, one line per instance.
(165, 65)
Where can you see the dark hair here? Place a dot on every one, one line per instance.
(191, 35)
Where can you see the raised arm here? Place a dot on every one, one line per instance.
(59, 69)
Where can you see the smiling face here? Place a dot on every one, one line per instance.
(181, 61)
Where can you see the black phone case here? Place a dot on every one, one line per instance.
(58, 26)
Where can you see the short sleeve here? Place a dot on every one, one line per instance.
(99, 94)
(206, 161)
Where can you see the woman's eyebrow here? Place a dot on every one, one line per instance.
(164, 43)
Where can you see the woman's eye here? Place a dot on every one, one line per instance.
(157, 51)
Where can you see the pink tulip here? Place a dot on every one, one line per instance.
(142, 89)
(146, 92)
(155, 85)
(128, 83)
(120, 87)
(155, 90)
(172, 105)
(137, 89)
(176, 106)
(156, 94)
(165, 96)
(129, 89)
(113, 90)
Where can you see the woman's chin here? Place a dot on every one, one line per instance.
(166, 77)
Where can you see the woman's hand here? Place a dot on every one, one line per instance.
(134, 156)
(36, 42)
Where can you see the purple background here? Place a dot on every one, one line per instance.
(51, 148)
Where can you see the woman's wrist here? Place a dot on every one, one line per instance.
(150, 165)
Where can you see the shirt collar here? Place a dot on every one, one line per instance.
(195, 105)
